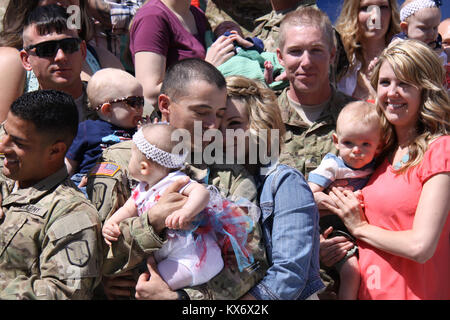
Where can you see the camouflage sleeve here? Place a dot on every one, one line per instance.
(107, 193)
(136, 242)
(70, 261)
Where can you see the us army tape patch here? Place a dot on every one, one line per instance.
(78, 253)
(105, 169)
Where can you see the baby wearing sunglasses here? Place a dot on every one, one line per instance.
(118, 99)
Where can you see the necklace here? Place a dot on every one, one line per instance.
(402, 161)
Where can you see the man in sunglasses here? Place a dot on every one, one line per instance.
(55, 54)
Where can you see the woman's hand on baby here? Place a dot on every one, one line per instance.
(349, 208)
(221, 50)
(110, 231)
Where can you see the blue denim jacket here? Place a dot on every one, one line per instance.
(290, 224)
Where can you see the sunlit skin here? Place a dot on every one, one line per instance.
(444, 31)
(235, 118)
(61, 72)
(400, 101)
(26, 152)
(204, 102)
(306, 58)
(374, 24)
(423, 25)
(357, 143)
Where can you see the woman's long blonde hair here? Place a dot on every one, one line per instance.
(348, 27)
(416, 64)
(261, 104)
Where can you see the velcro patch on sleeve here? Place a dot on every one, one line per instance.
(104, 169)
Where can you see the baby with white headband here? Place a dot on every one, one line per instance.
(180, 262)
(419, 20)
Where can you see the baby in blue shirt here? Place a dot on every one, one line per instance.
(117, 97)
(357, 139)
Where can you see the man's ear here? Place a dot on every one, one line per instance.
(164, 103)
(57, 150)
(280, 57)
(24, 57)
(335, 140)
(83, 49)
(404, 26)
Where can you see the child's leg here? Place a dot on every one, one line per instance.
(350, 277)
(175, 274)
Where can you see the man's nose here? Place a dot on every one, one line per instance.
(4, 144)
(60, 55)
(210, 122)
(305, 59)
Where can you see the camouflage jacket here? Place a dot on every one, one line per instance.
(243, 12)
(268, 26)
(305, 145)
(50, 241)
(109, 189)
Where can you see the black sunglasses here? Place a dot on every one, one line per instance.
(48, 49)
(135, 102)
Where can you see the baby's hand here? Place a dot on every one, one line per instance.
(371, 66)
(179, 219)
(268, 72)
(241, 41)
(110, 231)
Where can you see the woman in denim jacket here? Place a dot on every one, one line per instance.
(290, 218)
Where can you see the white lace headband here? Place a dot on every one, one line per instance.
(417, 5)
(151, 152)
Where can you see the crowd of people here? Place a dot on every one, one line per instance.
(178, 149)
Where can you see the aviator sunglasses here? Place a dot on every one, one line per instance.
(135, 102)
(48, 49)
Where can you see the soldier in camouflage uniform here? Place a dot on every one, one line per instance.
(268, 26)
(50, 235)
(140, 237)
(308, 139)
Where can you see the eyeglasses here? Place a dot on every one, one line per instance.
(48, 49)
(135, 102)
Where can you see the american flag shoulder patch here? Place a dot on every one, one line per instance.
(104, 169)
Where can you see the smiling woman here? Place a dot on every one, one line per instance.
(404, 228)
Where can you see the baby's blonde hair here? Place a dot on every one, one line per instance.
(360, 112)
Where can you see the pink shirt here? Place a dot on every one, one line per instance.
(157, 29)
(390, 203)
